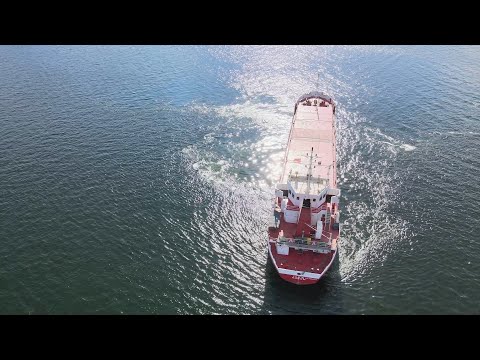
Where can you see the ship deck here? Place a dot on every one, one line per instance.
(305, 261)
(312, 127)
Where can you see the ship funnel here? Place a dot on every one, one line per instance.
(336, 224)
(318, 233)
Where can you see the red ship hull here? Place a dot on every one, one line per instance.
(303, 243)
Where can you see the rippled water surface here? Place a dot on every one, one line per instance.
(138, 179)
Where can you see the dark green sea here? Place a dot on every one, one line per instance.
(138, 179)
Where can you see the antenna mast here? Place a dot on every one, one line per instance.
(309, 174)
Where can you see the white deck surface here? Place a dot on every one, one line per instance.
(313, 127)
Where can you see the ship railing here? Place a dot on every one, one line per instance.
(305, 244)
(288, 143)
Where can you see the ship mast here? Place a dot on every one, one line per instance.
(309, 173)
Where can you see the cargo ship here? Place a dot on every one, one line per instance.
(303, 239)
